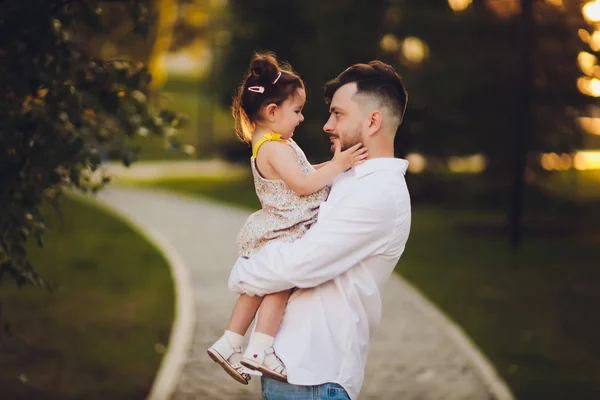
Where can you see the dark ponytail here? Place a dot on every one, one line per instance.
(267, 81)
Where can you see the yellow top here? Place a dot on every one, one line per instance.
(267, 137)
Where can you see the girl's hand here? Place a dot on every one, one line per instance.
(348, 158)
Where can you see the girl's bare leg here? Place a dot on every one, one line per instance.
(227, 350)
(243, 313)
(259, 354)
(271, 312)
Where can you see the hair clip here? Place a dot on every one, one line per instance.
(276, 79)
(257, 89)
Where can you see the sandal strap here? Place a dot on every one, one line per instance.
(225, 349)
(231, 352)
(280, 367)
(239, 368)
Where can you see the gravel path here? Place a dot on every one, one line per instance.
(416, 354)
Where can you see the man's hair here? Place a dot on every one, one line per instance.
(375, 79)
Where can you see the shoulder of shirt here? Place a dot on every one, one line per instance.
(384, 165)
(383, 191)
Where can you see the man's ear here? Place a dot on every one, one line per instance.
(375, 122)
(270, 111)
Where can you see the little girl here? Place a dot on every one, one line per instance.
(267, 109)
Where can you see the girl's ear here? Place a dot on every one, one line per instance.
(270, 111)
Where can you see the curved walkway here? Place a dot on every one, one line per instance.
(416, 354)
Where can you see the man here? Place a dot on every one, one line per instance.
(342, 263)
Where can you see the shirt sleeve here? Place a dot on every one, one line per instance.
(356, 228)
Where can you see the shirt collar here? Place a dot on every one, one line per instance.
(378, 164)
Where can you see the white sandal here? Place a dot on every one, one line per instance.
(221, 353)
(268, 363)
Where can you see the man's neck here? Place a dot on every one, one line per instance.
(380, 153)
(381, 146)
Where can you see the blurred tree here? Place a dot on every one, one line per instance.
(495, 81)
(461, 68)
(466, 89)
(319, 39)
(167, 17)
(65, 100)
(192, 23)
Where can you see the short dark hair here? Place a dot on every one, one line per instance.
(276, 82)
(377, 79)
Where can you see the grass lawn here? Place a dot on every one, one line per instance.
(100, 334)
(533, 312)
(581, 185)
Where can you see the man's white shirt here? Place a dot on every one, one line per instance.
(340, 267)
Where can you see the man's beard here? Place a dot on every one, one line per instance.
(350, 139)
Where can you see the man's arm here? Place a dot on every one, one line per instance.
(358, 227)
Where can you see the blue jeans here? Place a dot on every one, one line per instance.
(275, 390)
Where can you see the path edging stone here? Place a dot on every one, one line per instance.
(481, 365)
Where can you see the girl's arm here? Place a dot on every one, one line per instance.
(318, 166)
(282, 158)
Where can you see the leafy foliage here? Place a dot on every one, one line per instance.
(62, 107)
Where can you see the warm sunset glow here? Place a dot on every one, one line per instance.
(459, 5)
(585, 160)
(591, 11)
(549, 161)
(557, 3)
(555, 162)
(594, 41)
(595, 87)
(193, 15)
(589, 86)
(414, 50)
(389, 43)
(584, 35)
(416, 163)
(590, 125)
(566, 161)
(587, 62)
(504, 8)
(470, 164)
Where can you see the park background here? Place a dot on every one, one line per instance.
(502, 133)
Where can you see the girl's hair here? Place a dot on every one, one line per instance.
(267, 81)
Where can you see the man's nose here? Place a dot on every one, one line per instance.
(328, 127)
